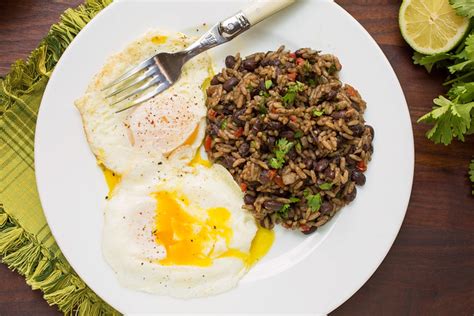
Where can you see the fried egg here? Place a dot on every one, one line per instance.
(180, 231)
(170, 125)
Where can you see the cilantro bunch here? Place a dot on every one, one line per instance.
(452, 116)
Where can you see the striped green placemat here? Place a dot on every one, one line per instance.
(26, 243)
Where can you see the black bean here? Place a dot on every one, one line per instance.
(292, 154)
(289, 135)
(272, 205)
(372, 131)
(350, 162)
(275, 62)
(309, 231)
(300, 52)
(230, 61)
(338, 114)
(277, 72)
(214, 129)
(230, 83)
(264, 177)
(250, 64)
(368, 148)
(253, 185)
(321, 165)
(264, 62)
(329, 174)
(236, 119)
(228, 161)
(358, 177)
(261, 86)
(351, 196)
(249, 199)
(330, 96)
(244, 149)
(326, 207)
(271, 141)
(308, 162)
(214, 80)
(357, 130)
(257, 126)
(275, 125)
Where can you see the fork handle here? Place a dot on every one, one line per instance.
(229, 28)
(259, 10)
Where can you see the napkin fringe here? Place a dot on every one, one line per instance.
(19, 249)
(21, 252)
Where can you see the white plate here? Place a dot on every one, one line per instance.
(301, 274)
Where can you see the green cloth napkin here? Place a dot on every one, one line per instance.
(26, 243)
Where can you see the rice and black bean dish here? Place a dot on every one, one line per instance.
(290, 133)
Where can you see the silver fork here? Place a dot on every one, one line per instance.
(161, 71)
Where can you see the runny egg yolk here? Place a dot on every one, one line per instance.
(111, 178)
(189, 240)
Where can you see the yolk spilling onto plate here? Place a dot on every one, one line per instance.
(189, 240)
(111, 178)
(198, 160)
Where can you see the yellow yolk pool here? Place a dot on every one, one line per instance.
(189, 240)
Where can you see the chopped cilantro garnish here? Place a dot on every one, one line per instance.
(326, 186)
(298, 134)
(281, 149)
(224, 124)
(298, 146)
(261, 107)
(284, 209)
(268, 84)
(312, 82)
(290, 96)
(314, 202)
(263, 94)
(318, 113)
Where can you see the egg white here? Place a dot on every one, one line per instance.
(129, 245)
(159, 128)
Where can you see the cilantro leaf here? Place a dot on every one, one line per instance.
(450, 119)
(463, 7)
(283, 211)
(286, 207)
(224, 124)
(326, 186)
(318, 113)
(298, 134)
(282, 147)
(268, 84)
(314, 202)
(291, 92)
(294, 199)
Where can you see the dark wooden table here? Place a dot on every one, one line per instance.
(430, 268)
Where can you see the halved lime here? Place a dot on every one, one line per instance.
(431, 26)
